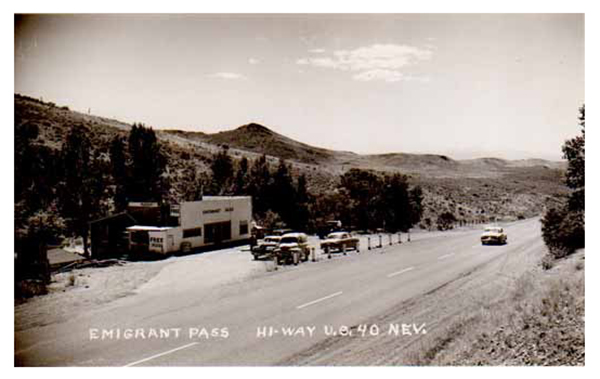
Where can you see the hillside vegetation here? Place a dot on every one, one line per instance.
(477, 189)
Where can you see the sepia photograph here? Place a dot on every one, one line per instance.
(299, 189)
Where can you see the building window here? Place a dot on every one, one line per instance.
(195, 232)
(243, 227)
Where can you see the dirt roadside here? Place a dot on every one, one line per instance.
(76, 292)
(477, 319)
(542, 324)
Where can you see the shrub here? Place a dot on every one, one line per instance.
(563, 231)
(446, 220)
(547, 262)
(32, 269)
(29, 288)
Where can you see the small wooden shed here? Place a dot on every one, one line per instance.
(109, 235)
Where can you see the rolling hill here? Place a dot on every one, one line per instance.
(504, 188)
(259, 139)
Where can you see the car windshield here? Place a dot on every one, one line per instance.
(493, 229)
(289, 240)
(335, 235)
(272, 239)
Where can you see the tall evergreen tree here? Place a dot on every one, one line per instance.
(118, 162)
(241, 178)
(283, 193)
(25, 159)
(301, 218)
(82, 187)
(363, 189)
(36, 172)
(563, 228)
(395, 205)
(415, 197)
(147, 164)
(258, 186)
(222, 172)
(574, 153)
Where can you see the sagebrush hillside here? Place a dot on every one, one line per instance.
(485, 188)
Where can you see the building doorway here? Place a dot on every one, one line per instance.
(217, 232)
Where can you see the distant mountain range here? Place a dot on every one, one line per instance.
(259, 139)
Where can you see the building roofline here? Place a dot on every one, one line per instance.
(114, 216)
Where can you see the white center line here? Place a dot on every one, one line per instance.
(445, 256)
(400, 272)
(161, 354)
(319, 300)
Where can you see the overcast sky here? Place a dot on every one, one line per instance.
(463, 85)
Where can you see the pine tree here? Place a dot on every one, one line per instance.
(35, 173)
(301, 218)
(563, 228)
(258, 186)
(147, 165)
(395, 205)
(241, 178)
(363, 189)
(283, 193)
(222, 172)
(416, 204)
(118, 162)
(83, 185)
(574, 153)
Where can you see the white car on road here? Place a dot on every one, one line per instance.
(493, 235)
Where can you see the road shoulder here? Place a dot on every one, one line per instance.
(467, 319)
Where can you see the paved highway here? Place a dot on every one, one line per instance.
(248, 322)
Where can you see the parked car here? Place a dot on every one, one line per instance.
(292, 248)
(265, 247)
(493, 235)
(340, 242)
